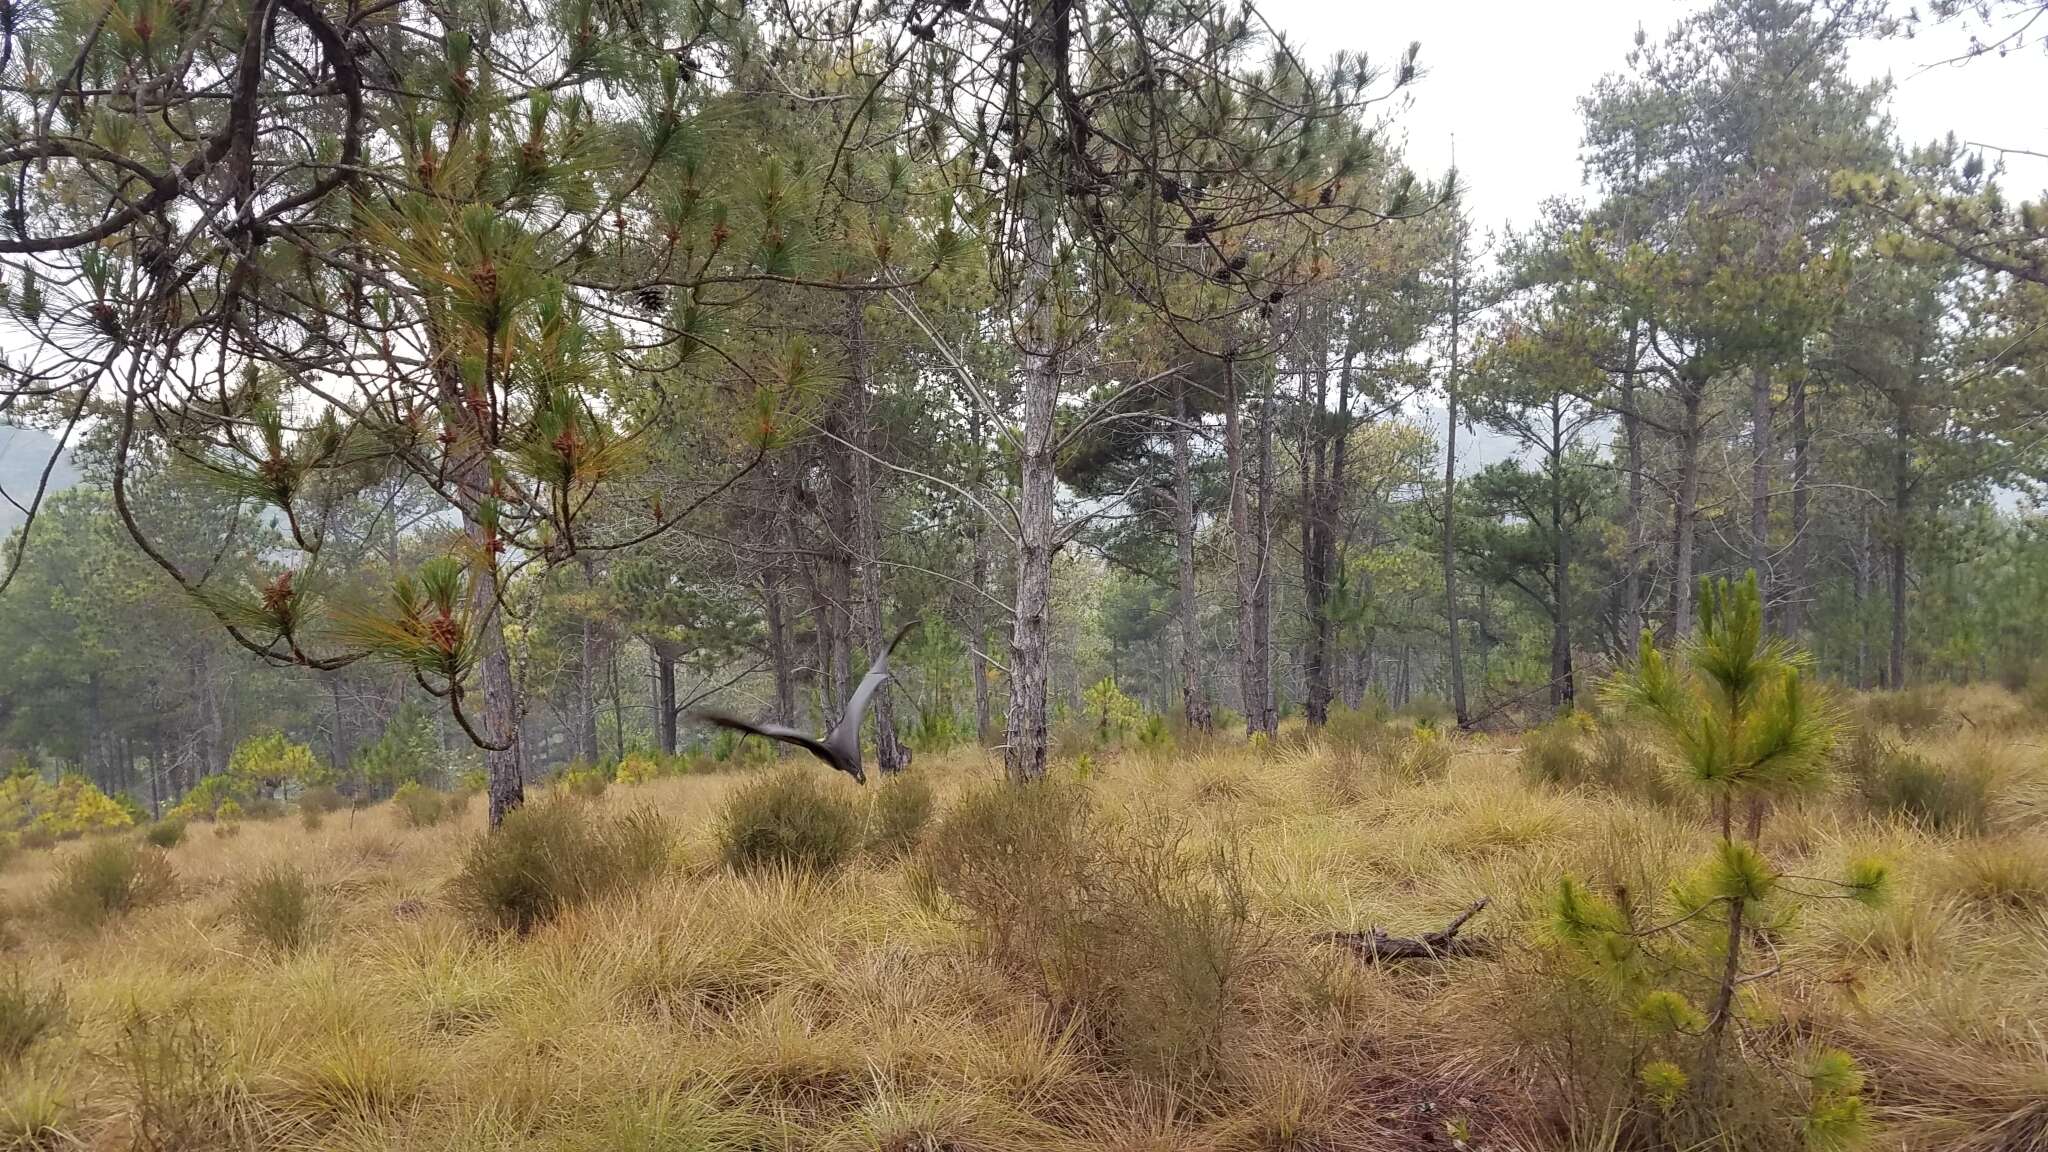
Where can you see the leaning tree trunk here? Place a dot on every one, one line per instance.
(867, 531)
(1194, 697)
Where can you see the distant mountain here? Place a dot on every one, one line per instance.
(23, 453)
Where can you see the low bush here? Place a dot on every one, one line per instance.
(793, 818)
(1135, 926)
(106, 879)
(26, 1014)
(554, 855)
(1893, 780)
(897, 815)
(274, 908)
(166, 833)
(1910, 710)
(2001, 876)
(585, 781)
(1554, 754)
(322, 798)
(422, 807)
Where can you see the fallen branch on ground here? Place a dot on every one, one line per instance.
(1375, 944)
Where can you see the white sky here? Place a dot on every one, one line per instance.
(1505, 76)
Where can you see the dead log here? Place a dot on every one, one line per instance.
(1375, 944)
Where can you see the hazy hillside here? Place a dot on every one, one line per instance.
(23, 452)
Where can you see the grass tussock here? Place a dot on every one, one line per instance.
(554, 855)
(421, 807)
(165, 833)
(27, 1013)
(274, 907)
(898, 814)
(106, 879)
(791, 818)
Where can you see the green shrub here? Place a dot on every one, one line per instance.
(554, 855)
(25, 1015)
(791, 818)
(1553, 754)
(1133, 925)
(420, 807)
(1424, 756)
(641, 767)
(166, 833)
(897, 814)
(585, 781)
(106, 879)
(1910, 710)
(322, 798)
(1898, 781)
(274, 908)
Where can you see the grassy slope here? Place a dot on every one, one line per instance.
(713, 1011)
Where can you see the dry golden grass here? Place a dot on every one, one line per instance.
(708, 1010)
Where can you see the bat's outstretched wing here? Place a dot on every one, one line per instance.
(802, 740)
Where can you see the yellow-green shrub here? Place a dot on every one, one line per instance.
(553, 855)
(106, 879)
(792, 818)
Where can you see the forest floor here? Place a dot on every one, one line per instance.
(709, 1010)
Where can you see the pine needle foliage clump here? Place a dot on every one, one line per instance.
(791, 818)
(548, 857)
(107, 879)
(1738, 724)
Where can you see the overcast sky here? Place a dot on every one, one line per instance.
(1505, 76)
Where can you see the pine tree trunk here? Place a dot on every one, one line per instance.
(1317, 532)
(781, 652)
(867, 530)
(1562, 690)
(1760, 484)
(1862, 588)
(586, 677)
(1796, 587)
(1453, 641)
(1262, 602)
(1902, 495)
(1025, 757)
(1245, 552)
(1683, 512)
(665, 699)
(1632, 508)
(1194, 697)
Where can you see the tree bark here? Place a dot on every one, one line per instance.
(1453, 641)
(1195, 712)
(1319, 428)
(586, 675)
(1262, 602)
(1562, 690)
(665, 699)
(1760, 485)
(1796, 586)
(781, 654)
(867, 530)
(1902, 495)
(1632, 507)
(1684, 509)
(1241, 541)
(1025, 757)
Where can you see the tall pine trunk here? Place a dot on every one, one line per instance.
(664, 699)
(1562, 690)
(1684, 509)
(1453, 641)
(1632, 507)
(1796, 586)
(867, 530)
(1760, 484)
(1194, 696)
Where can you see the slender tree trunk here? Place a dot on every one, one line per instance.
(1454, 641)
(1562, 690)
(586, 674)
(1632, 507)
(781, 652)
(1760, 485)
(1862, 589)
(1797, 584)
(1262, 603)
(1194, 696)
(1025, 757)
(1683, 513)
(1246, 551)
(665, 698)
(867, 530)
(1322, 432)
(340, 746)
(1902, 495)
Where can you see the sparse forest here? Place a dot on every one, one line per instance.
(1339, 673)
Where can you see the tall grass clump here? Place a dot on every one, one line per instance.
(1649, 985)
(554, 855)
(106, 879)
(422, 807)
(166, 833)
(1140, 930)
(900, 810)
(275, 907)
(790, 818)
(1894, 780)
(26, 1014)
